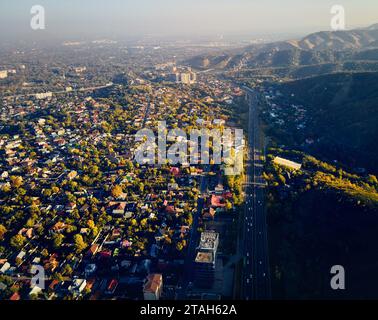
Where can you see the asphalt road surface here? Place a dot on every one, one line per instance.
(256, 275)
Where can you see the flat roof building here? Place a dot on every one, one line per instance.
(287, 163)
(205, 259)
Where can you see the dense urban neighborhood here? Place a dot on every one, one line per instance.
(75, 202)
(203, 169)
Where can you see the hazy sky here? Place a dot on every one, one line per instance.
(181, 17)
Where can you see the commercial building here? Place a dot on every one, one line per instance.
(205, 259)
(188, 77)
(181, 75)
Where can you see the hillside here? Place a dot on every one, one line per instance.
(317, 48)
(326, 215)
(342, 113)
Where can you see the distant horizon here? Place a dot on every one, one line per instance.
(126, 19)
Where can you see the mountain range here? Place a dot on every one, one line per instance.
(314, 49)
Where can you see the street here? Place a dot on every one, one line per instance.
(256, 275)
(188, 275)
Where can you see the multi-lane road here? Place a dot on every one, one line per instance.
(256, 275)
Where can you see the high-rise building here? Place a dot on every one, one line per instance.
(205, 259)
(185, 76)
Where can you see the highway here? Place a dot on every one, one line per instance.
(256, 275)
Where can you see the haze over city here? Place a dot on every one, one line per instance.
(180, 18)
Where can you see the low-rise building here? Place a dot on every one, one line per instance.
(153, 288)
(287, 163)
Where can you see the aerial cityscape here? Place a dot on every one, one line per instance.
(188, 160)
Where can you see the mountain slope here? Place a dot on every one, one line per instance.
(343, 113)
(316, 48)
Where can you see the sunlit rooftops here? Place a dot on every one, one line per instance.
(204, 257)
(209, 241)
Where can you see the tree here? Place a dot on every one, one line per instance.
(80, 245)
(117, 191)
(143, 223)
(94, 170)
(47, 192)
(58, 276)
(6, 188)
(57, 240)
(55, 189)
(181, 245)
(67, 270)
(3, 230)
(16, 181)
(372, 179)
(17, 241)
(91, 225)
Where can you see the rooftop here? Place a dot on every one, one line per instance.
(287, 163)
(209, 240)
(204, 257)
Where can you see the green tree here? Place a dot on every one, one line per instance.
(80, 245)
(17, 241)
(57, 240)
(67, 270)
(3, 231)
